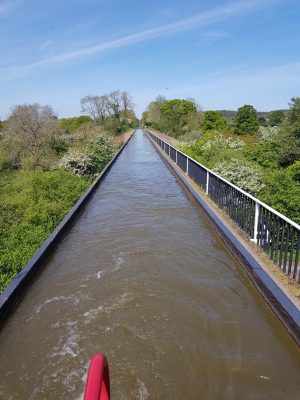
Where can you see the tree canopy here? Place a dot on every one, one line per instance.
(288, 137)
(213, 120)
(114, 111)
(175, 116)
(246, 121)
(71, 124)
(276, 118)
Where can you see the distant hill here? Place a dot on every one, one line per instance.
(230, 114)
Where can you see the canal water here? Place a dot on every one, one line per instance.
(143, 278)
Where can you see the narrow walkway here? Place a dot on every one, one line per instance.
(143, 278)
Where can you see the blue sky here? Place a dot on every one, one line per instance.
(222, 53)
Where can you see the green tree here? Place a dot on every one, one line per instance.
(246, 121)
(276, 118)
(288, 137)
(145, 116)
(293, 117)
(213, 120)
(175, 113)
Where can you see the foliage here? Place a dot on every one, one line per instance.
(113, 111)
(34, 194)
(294, 171)
(288, 137)
(213, 148)
(282, 192)
(276, 118)
(293, 117)
(264, 153)
(220, 142)
(59, 145)
(242, 174)
(101, 150)
(246, 121)
(153, 115)
(32, 204)
(175, 112)
(213, 120)
(31, 128)
(77, 163)
(89, 161)
(70, 125)
(34, 125)
(176, 117)
(267, 133)
(6, 161)
(268, 164)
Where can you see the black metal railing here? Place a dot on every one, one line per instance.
(274, 233)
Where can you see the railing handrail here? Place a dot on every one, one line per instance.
(255, 199)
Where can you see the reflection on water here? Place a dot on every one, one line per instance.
(142, 278)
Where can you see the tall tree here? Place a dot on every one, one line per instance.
(176, 112)
(276, 117)
(127, 102)
(246, 121)
(213, 120)
(31, 128)
(288, 138)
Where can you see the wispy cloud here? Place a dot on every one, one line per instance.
(211, 16)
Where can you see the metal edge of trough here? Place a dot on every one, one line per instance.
(18, 286)
(278, 301)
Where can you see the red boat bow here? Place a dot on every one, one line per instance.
(97, 384)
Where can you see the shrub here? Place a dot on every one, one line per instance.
(265, 154)
(283, 193)
(241, 174)
(78, 163)
(267, 133)
(276, 118)
(69, 125)
(294, 171)
(32, 204)
(91, 159)
(213, 120)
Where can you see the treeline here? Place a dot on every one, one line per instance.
(113, 111)
(45, 166)
(261, 157)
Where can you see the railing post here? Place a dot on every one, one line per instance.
(187, 165)
(207, 181)
(175, 156)
(169, 150)
(255, 230)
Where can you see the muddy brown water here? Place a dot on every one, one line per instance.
(143, 278)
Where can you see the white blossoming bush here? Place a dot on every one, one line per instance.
(103, 144)
(267, 133)
(77, 163)
(241, 174)
(237, 144)
(220, 142)
(92, 159)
